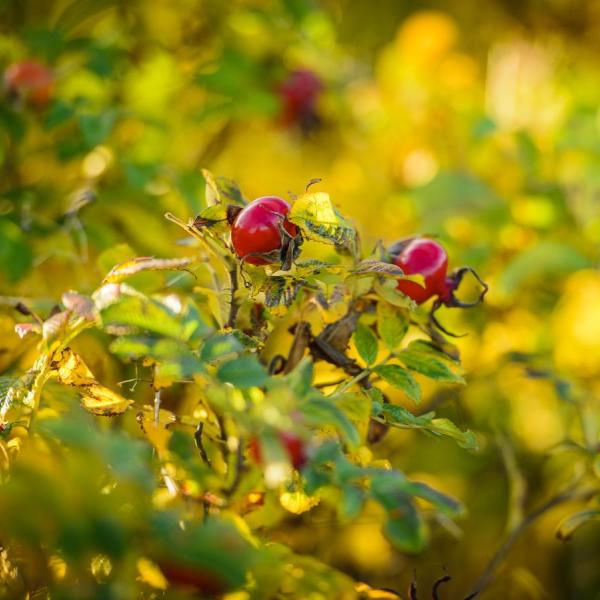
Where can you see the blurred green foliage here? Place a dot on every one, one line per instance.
(479, 127)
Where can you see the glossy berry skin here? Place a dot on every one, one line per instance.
(30, 81)
(298, 94)
(257, 233)
(424, 257)
(292, 444)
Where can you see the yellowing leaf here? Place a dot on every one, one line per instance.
(298, 502)
(103, 402)
(150, 573)
(146, 263)
(321, 221)
(69, 369)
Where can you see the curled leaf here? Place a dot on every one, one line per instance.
(82, 306)
(70, 369)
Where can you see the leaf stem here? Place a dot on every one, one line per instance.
(233, 303)
(499, 556)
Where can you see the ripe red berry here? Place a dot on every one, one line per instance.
(30, 81)
(261, 233)
(292, 444)
(299, 93)
(422, 256)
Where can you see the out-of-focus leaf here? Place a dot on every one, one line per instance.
(221, 190)
(366, 343)
(401, 379)
(319, 220)
(55, 326)
(452, 193)
(388, 291)
(220, 345)
(16, 256)
(404, 527)
(392, 325)
(244, 371)
(78, 11)
(542, 262)
(570, 524)
(448, 505)
(82, 306)
(321, 411)
(97, 128)
(298, 502)
(145, 263)
(148, 315)
(425, 364)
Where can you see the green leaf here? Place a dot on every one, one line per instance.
(427, 365)
(401, 379)
(366, 343)
(448, 505)
(300, 379)
(428, 348)
(148, 315)
(281, 291)
(570, 524)
(404, 528)
(540, 263)
(322, 411)
(16, 256)
(387, 290)
(357, 406)
(245, 371)
(398, 415)
(97, 128)
(465, 439)
(320, 221)
(220, 345)
(352, 502)
(392, 324)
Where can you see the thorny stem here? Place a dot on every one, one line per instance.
(498, 557)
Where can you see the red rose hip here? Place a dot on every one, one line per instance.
(261, 233)
(422, 256)
(30, 81)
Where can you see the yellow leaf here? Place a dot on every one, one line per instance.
(103, 402)
(150, 573)
(298, 502)
(146, 263)
(69, 369)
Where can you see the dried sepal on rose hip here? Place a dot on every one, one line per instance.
(428, 258)
(261, 233)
